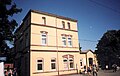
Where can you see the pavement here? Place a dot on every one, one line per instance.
(101, 73)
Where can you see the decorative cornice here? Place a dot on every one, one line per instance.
(53, 51)
(53, 15)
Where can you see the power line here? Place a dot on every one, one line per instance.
(100, 4)
(87, 40)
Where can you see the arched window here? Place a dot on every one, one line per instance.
(40, 64)
(53, 63)
(65, 62)
(63, 24)
(44, 20)
(68, 25)
(71, 62)
(68, 61)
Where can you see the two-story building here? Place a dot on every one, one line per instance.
(47, 44)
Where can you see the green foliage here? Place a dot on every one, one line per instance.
(108, 48)
(7, 25)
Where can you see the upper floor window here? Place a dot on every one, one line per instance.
(64, 40)
(44, 38)
(44, 20)
(63, 24)
(40, 65)
(68, 25)
(53, 63)
(69, 41)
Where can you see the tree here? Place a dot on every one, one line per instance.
(7, 24)
(108, 48)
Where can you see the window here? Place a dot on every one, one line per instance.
(81, 60)
(44, 20)
(64, 40)
(40, 64)
(69, 41)
(80, 63)
(71, 63)
(63, 24)
(68, 62)
(65, 61)
(53, 63)
(44, 38)
(68, 25)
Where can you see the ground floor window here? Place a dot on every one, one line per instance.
(71, 63)
(68, 61)
(81, 62)
(53, 63)
(40, 64)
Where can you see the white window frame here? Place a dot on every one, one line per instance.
(66, 67)
(71, 62)
(53, 63)
(40, 63)
(70, 41)
(42, 38)
(64, 41)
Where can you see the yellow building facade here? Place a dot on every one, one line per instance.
(47, 44)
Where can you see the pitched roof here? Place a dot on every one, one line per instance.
(86, 51)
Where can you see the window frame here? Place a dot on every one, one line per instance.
(64, 41)
(42, 63)
(44, 20)
(53, 62)
(71, 62)
(67, 62)
(69, 27)
(42, 38)
(81, 62)
(69, 39)
(63, 24)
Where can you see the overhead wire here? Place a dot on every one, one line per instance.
(100, 4)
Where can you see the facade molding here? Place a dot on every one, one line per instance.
(52, 27)
(53, 46)
(53, 51)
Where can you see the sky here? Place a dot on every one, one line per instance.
(94, 17)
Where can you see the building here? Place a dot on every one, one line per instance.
(87, 59)
(47, 44)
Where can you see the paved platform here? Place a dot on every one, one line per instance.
(101, 73)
